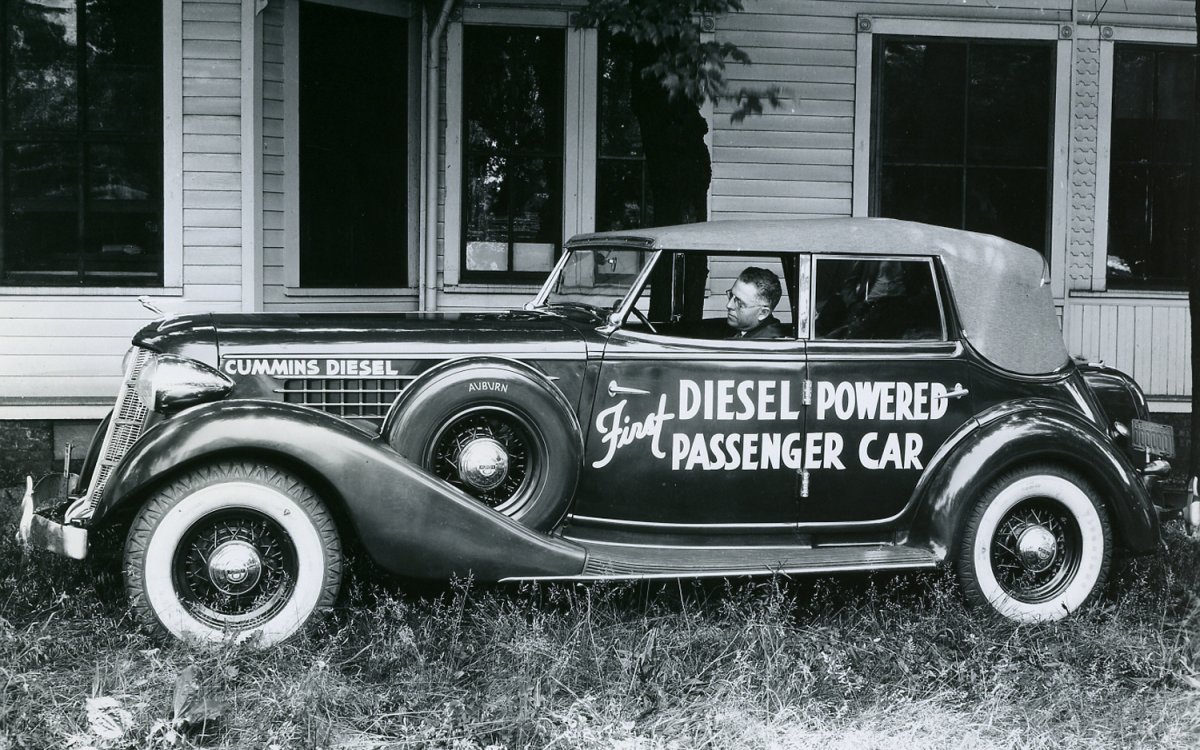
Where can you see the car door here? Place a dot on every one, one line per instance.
(692, 428)
(889, 385)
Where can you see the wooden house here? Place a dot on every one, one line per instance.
(308, 155)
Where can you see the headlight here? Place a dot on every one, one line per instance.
(170, 383)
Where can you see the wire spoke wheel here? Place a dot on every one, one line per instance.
(235, 568)
(232, 550)
(1036, 545)
(490, 454)
(1036, 550)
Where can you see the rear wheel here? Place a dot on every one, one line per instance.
(232, 550)
(1037, 546)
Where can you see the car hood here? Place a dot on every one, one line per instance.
(258, 350)
(208, 336)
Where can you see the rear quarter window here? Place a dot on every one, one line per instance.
(876, 299)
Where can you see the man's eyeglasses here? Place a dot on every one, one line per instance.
(738, 301)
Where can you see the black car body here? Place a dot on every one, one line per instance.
(919, 408)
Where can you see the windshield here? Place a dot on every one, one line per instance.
(595, 277)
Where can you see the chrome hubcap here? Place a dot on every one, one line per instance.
(483, 464)
(235, 567)
(1036, 547)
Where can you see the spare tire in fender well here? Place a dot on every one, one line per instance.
(499, 430)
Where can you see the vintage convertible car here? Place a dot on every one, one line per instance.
(915, 406)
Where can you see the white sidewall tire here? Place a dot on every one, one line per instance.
(158, 575)
(1092, 554)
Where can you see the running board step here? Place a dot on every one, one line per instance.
(606, 562)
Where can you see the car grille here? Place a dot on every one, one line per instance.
(125, 427)
(346, 398)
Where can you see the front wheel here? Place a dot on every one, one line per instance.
(232, 550)
(1037, 546)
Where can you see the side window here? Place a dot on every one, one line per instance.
(876, 300)
(721, 296)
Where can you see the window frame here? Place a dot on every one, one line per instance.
(169, 179)
(938, 290)
(413, 89)
(579, 139)
(1110, 36)
(868, 27)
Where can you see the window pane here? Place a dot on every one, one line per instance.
(877, 300)
(622, 198)
(951, 114)
(123, 172)
(921, 101)
(122, 243)
(619, 133)
(353, 148)
(930, 194)
(514, 101)
(511, 200)
(1152, 139)
(1009, 105)
(39, 241)
(41, 172)
(41, 83)
(1009, 203)
(513, 110)
(82, 204)
(124, 83)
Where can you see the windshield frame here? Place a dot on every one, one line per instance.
(618, 315)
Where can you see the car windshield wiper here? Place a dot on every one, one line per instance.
(595, 311)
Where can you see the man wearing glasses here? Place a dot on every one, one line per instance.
(751, 302)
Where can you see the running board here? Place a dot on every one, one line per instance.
(609, 562)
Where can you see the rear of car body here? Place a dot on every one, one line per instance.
(920, 409)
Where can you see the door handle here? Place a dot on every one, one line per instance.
(958, 392)
(614, 389)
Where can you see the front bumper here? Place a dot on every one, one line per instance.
(38, 530)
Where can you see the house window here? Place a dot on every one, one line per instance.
(353, 148)
(1153, 134)
(81, 148)
(963, 135)
(623, 197)
(513, 104)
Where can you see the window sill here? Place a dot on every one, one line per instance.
(1149, 294)
(91, 291)
(476, 287)
(400, 293)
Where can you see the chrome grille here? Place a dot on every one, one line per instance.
(348, 398)
(128, 420)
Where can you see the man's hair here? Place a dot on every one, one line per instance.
(766, 282)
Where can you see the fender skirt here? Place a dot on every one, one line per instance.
(1008, 437)
(411, 523)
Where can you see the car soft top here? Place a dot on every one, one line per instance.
(1008, 315)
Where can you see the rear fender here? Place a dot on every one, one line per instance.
(1032, 430)
(410, 523)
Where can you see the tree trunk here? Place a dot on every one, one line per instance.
(1194, 257)
(679, 170)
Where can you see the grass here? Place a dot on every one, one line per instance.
(848, 662)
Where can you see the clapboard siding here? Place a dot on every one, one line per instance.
(212, 158)
(273, 147)
(1147, 338)
(1153, 13)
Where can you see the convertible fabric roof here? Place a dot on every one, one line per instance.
(1000, 288)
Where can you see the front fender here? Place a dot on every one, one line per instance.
(1028, 432)
(410, 522)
